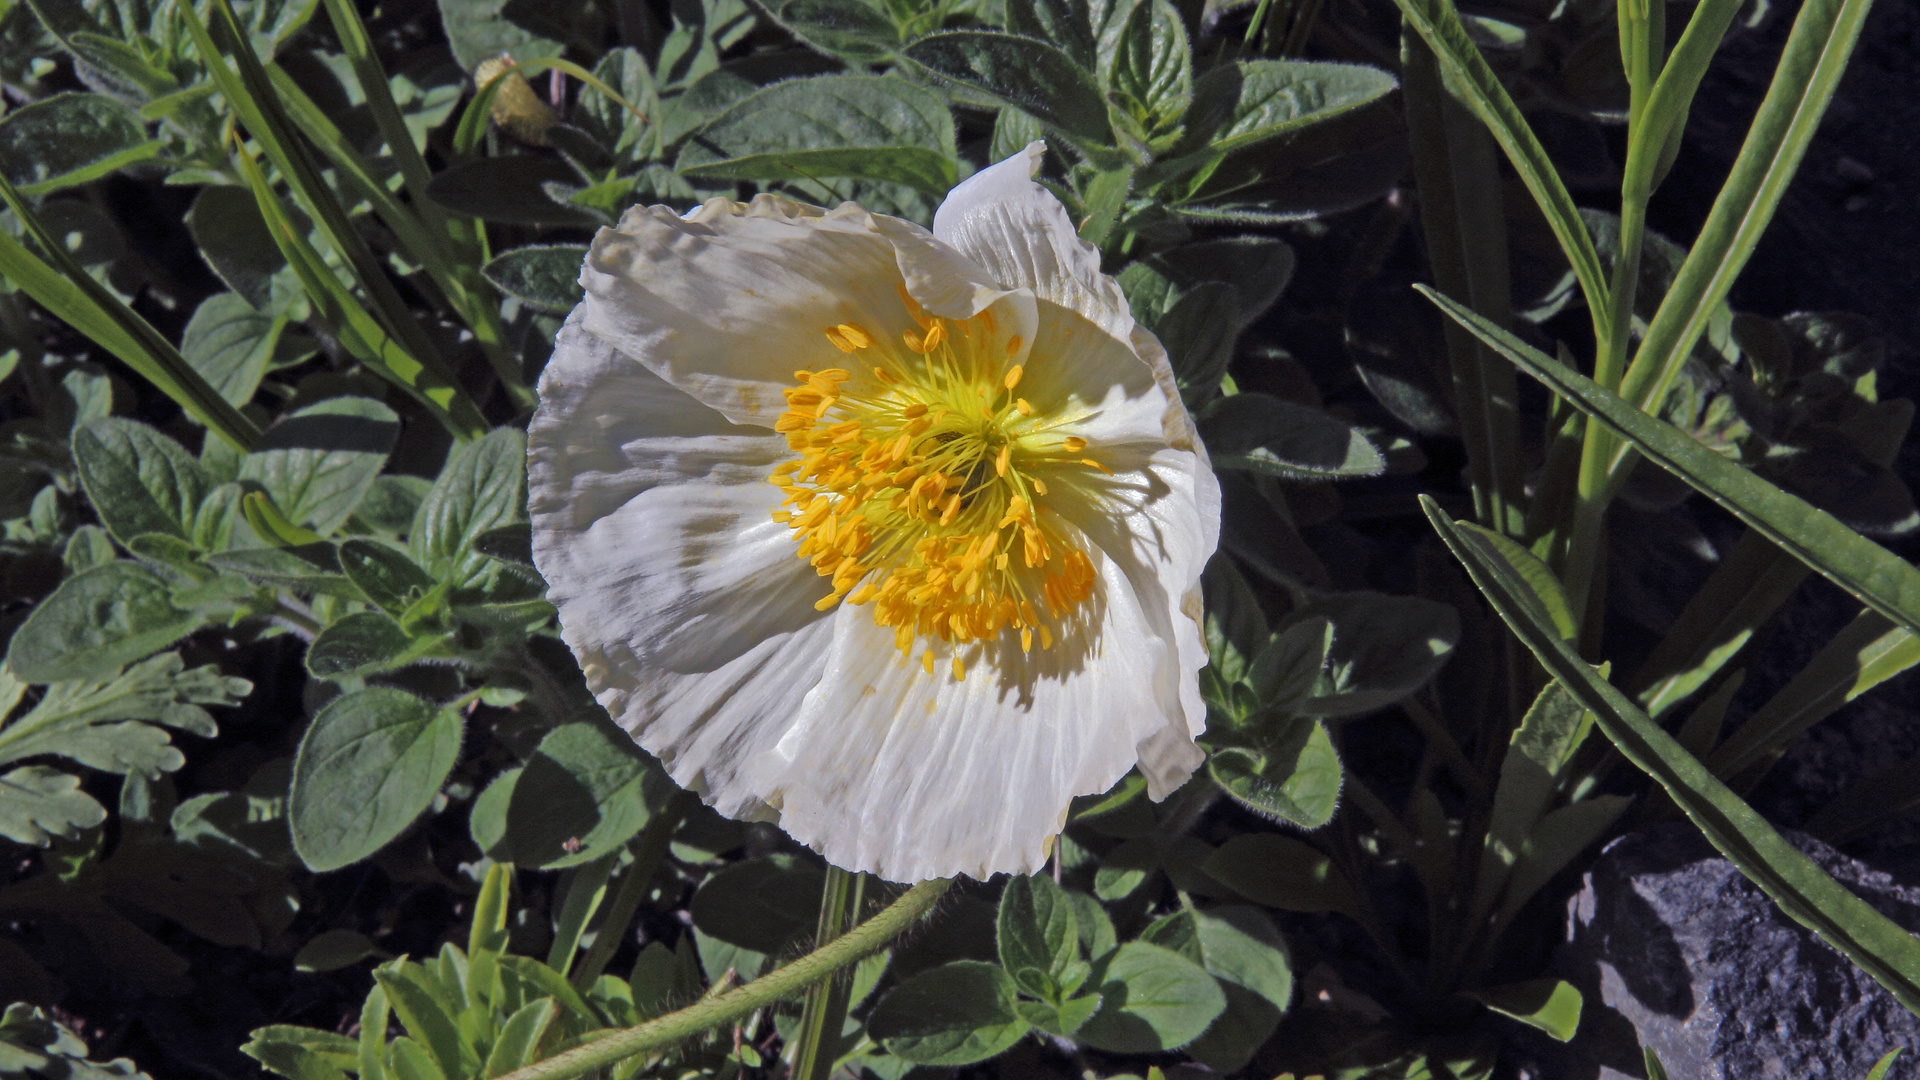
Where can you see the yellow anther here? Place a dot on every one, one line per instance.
(885, 376)
(926, 661)
(1000, 463)
(959, 670)
(853, 333)
(1074, 444)
(936, 334)
(802, 375)
(1039, 486)
(952, 509)
(1026, 639)
(1013, 345)
(914, 411)
(915, 344)
(834, 374)
(826, 602)
(1046, 637)
(1013, 375)
(1021, 404)
(839, 339)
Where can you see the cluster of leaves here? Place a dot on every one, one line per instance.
(393, 214)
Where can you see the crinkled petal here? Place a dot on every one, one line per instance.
(681, 597)
(913, 776)
(729, 301)
(1021, 235)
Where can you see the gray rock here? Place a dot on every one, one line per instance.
(1676, 951)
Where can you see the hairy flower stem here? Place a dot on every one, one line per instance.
(725, 1008)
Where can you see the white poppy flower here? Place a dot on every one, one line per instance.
(892, 537)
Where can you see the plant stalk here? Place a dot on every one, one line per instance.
(825, 1012)
(869, 937)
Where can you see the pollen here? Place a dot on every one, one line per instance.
(916, 488)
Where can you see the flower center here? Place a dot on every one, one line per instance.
(918, 486)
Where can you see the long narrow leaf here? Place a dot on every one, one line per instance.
(75, 298)
(469, 294)
(1880, 579)
(249, 92)
(1796, 883)
(1867, 652)
(358, 331)
(1469, 76)
(1815, 57)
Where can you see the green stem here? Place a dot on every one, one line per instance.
(649, 851)
(815, 1050)
(778, 985)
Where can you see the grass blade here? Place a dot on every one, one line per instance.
(1868, 652)
(75, 298)
(1881, 580)
(1815, 57)
(1804, 891)
(249, 92)
(1468, 76)
(357, 330)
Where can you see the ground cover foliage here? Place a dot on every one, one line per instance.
(295, 773)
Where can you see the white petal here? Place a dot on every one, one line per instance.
(1158, 520)
(912, 776)
(727, 302)
(681, 597)
(1021, 235)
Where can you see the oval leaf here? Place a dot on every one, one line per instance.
(369, 764)
(97, 621)
(871, 127)
(955, 1014)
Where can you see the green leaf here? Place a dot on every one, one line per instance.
(319, 462)
(294, 1061)
(483, 29)
(1152, 999)
(1235, 629)
(1883, 1066)
(361, 643)
(764, 905)
(97, 621)
(138, 480)
(1553, 728)
(1803, 890)
(545, 277)
(331, 950)
(230, 343)
(314, 568)
(585, 791)
(1866, 653)
(1283, 767)
(1281, 872)
(99, 722)
(410, 1061)
(1384, 648)
(1551, 1005)
(955, 1014)
(1036, 927)
(1030, 75)
(38, 803)
(69, 139)
(483, 485)
(1153, 67)
(1880, 579)
(852, 29)
(387, 577)
(234, 240)
(428, 1008)
(520, 1037)
(520, 189)
(1242, 105)
(1241, 949)
(1816, 54)
(368, 765)
(1545, 590)
(1261, 433)
(872, 127)
(1258, 268)
(1200, 331)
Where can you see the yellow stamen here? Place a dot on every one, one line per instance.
(890, 496)
(1013, 346)
(1074, 444)
(959, 670)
